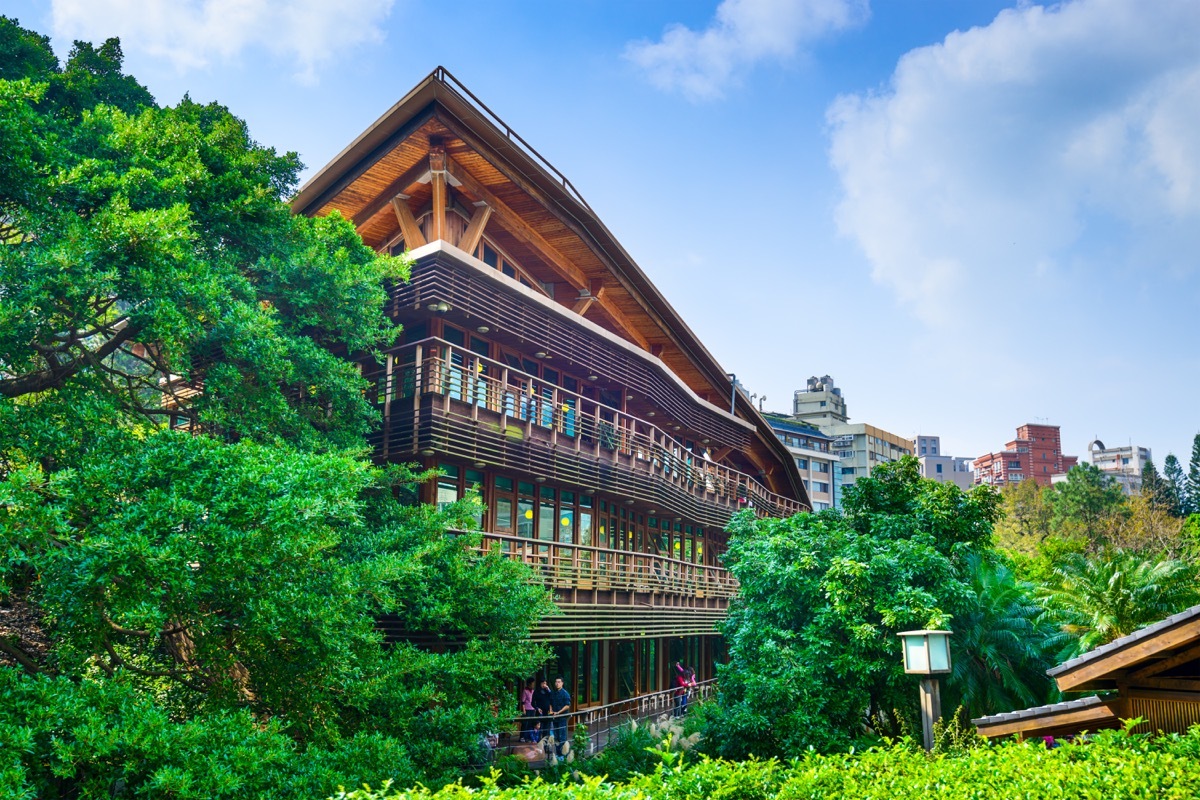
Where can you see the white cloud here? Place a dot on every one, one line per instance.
(1044, 155)
(701, 64)
(193, 34)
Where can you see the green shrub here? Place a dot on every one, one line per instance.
(1112, 766)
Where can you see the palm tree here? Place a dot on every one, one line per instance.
(1103, 597)
(1002, 643)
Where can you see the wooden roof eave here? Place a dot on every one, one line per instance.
(1116, 662)
(1061, 719)
(522, 164)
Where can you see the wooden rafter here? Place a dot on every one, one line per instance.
(523, 232)
(474, 232)
(414, 174)
(409, 229)
(1191, 654)
(588, 296)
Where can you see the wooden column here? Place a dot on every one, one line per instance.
(437, 171)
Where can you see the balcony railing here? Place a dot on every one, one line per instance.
(525, 406)
(602, 721)
(574, 566)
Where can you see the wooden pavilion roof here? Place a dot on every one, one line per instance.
(536, 216)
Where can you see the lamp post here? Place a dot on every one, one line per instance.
(927, 653)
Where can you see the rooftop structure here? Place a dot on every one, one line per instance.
(1122, 464)
(1155, 673)
(1035, 454)
(820, 402)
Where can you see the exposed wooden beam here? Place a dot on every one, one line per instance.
(524, 232)
(412, 175)
(437, 171)
(409, 228)
(474, 232)
(518, 227)
(1178, 684)
(1191, 654)
(1102, 667)
(623, 322)
(587, 297)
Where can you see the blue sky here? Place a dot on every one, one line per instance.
(971, 214)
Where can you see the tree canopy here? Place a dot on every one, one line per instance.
(190, 531)
(813, 653)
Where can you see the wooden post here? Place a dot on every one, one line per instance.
(418, 378)
(387, 404)
(931, 708)
(437, 171)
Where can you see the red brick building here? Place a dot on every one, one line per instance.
(1035, 453)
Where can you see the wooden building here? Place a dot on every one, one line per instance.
(540, 369)
(1153, 673)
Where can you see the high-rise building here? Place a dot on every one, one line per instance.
(1122, 464)
(819, 402)
(861, 448)
(820, 467)
(937, 466)
(1036, 453)
(541, 370)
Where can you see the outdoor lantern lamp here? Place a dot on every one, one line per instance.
(927, 653)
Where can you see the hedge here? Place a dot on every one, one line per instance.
(1110, 766)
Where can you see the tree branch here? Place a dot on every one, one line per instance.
(53, 378)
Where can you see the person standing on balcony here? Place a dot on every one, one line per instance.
(527, 711)
(681, 690)
(560, 706)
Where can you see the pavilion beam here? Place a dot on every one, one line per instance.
(414, 174)
(409, 229)
(474, 232)
(437, 172)
(523, 232)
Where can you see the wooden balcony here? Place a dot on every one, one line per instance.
(577, 568)
(437, 398)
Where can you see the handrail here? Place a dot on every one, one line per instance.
(522, 400)
(443, 74)
(585, 566)
(601, 720)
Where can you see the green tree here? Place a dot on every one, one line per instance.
(1099, 598)
(1191, 494)
(1025, 520)
(149, 252)
(1152, 483)
(211, 595)
(813, 654)
(1003, 643)
(1174, 485)
(1086, 504)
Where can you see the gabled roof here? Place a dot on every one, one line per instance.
(543, 221)
(1174, 639)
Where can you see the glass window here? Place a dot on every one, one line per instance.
(585, 528)
(504, 514)
(525, 517)
(566, 524)
(490, 256)
(546, 521)
(626, 670)
(447, 492)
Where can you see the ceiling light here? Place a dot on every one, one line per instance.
(540, 354)
(483, 329)
(593, 377)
